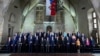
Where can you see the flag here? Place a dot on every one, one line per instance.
(50, 7)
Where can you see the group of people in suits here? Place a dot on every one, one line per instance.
(49, 42)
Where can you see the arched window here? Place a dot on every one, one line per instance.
(12, 18)
(93, 24)
(94, 18)
(39, 14)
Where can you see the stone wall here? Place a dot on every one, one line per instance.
(12, 18)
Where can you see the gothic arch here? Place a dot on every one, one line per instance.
(93, 24)
(12, 18)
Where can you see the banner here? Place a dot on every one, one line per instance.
(51, 7)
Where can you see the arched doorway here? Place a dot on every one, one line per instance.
(49, 28)
(10, 31)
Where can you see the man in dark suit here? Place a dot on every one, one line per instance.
(56, 41)
(92, 43)
(82, 41)
(30, 42)
(39, 41)
(42, 45)
(60, 42)
(78, 35)
(67, 44)
(63, 45)
(8, 45)
(34, 39)
(47, 45)
(60, 33)
(24, 43)
(36, 44)
(14, 43)
(52, 44)
(19, 43)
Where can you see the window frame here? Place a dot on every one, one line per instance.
(94, 18)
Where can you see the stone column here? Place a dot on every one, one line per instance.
(3, 22)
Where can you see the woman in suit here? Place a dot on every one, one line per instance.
(78, 44)
(87, 44)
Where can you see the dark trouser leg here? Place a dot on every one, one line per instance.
(64, 48)
(78, 49)
(68, 49)
(42, 49)
(9, 49)
(91, 48)
(33, 48)
(27, 47)
(14, 49)
(30, 47)
(83, 48)
(87, 49)
(52, 48)
(37, 48)
(24, 48)
(47, 49)
(19, 48)
(61, 49)
(57, 48)
(73, 48)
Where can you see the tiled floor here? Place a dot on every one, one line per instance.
(96, 54)
(50, 54)
(4, 54)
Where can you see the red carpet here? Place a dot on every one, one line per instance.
(50, 54)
